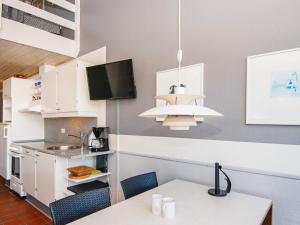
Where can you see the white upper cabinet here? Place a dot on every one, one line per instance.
(18, 95)
(59, 94)
(67, 78)
(49, 92)
(65, 93)
(7, 88)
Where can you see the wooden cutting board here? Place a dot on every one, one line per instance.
(80, 170)
(78, 177)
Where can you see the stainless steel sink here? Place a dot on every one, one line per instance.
(63, 147)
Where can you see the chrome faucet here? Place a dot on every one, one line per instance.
(82, 136)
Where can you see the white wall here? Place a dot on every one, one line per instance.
(255, 168)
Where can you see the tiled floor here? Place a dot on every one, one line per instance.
(16, 211)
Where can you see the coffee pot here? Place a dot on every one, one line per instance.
(100, 141)
(97, 143)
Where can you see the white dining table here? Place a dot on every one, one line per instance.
(193, 207)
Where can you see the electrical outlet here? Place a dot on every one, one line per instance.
(63, 130)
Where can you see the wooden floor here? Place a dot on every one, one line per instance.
(16, 211)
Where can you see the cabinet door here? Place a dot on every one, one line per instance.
(6, 158)
(2, 151)
(45, 183)
(7, 88)
(49, 92)
(28, 169)
(67, 87)
(2, 174)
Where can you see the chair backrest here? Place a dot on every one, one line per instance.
(138, 184)
(80, 205)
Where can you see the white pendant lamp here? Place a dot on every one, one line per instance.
(179, 112)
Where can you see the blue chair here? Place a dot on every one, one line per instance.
(138, 184)
(80, 205)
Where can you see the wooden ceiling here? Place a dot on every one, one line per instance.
(21, 59)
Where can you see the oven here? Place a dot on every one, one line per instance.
(16, 167)
(16, 179)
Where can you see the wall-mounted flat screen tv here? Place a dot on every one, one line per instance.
(111, 81)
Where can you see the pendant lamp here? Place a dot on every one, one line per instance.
(180, 109)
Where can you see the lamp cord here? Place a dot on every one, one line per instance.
(228, 189)
(179, 53)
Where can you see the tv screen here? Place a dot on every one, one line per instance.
(111, 81)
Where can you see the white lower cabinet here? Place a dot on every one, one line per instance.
(39, 175)
(45, 175)
(28, 169)
(45, 178)
(2, 152)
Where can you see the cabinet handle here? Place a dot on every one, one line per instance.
(5, 132)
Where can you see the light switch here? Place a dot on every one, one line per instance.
(63, 130)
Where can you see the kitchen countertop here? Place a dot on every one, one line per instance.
(71, 153)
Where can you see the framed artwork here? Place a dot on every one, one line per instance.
(191, 78)
(273, 88)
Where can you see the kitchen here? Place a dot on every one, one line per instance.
(47, 128)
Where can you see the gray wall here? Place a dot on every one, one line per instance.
(220, 34)
(72, 125)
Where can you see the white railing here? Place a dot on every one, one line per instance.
(14, 31)
(40, 13)
(64, 4)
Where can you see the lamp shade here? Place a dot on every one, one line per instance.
(179, 122)
(180, 110)
(179, 99)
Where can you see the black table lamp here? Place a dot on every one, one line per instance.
(217, 191)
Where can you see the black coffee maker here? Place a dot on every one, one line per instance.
(100, 141)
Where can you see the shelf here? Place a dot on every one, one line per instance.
(90, 178)
(32, 109)
(93, 154)
(79, 188)
(28, 111)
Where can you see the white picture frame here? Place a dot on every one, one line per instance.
(191, 76)
(273, 88)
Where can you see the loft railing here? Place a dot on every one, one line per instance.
(59, 17)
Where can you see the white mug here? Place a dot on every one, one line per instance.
(156, 204)
(168, 208)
